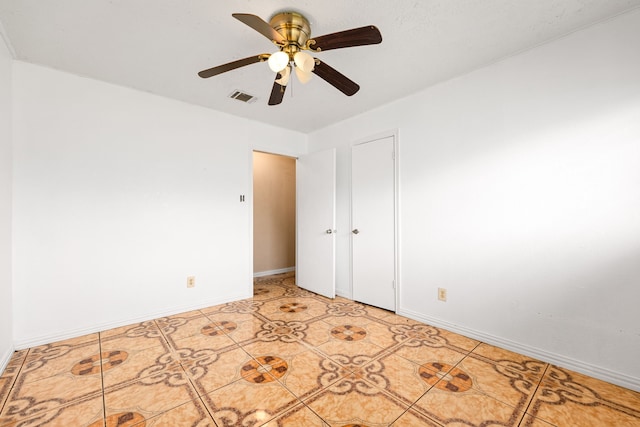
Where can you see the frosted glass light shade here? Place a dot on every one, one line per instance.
(286, 74)
(304, 61)
(302, 76)
(278, 61)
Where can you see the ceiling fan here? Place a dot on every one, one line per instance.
(291, 32)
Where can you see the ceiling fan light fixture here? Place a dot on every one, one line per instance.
(303, 77)
(304, 61)
(278, 61)
(291, 32)
(285, 75)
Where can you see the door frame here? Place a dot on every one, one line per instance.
(396, 209)
(249, 200)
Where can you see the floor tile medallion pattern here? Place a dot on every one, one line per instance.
(288, 357)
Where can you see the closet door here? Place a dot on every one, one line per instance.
(373, 223)
(316, 218)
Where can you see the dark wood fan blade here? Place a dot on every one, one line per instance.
(355, 37)
(335, 78)
(260, 26)
(233, 65)
(277, 92)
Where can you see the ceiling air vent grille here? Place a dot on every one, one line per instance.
(243, 96)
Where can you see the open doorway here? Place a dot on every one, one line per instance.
(274, 214)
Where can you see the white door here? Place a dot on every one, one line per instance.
(373, 223)
(315, 200)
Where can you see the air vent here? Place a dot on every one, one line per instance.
(242, 96)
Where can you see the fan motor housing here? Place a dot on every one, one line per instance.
(293, 27)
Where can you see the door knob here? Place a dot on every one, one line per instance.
(330, 231)
(355, 231)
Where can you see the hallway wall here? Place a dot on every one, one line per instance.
(274, 213)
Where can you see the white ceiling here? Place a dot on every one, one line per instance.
(158, 46)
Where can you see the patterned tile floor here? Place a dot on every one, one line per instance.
(288, 357)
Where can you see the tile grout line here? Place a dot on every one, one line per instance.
(104, 400)
(15, 379)
(533, 393)
(524, 411)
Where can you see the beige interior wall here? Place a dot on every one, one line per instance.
(274, 212)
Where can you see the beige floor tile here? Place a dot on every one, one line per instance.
(133, 337)
(81, 413)
(193, 413)
(355, 401)
(525, 367)
(309, 372)
(9, 375)
(265, 291)
(5, 386)
(217, 370)
(342, 307)
(317, 333)
(296, 292)
(380, 334)
(582, 385)
(17, 359)
(492, 380)
(400, 319)
(274, 348)
(462, 343)
(351, 351)
(469, 407)
(238, 308)
(289, 309)
(248, 403)
(298, 416)
(210, 340)
(55, 359)
(419, 353)
(569, 398)
(289, 357)
(398, 376)
(150, 396)
(179, 327)
(529, 421)
(71, 342)
(379, 313)
(414, 419)
(238, 326)
(282, 330)
(122, 366)
(148, 328)
(50, 392)
(356, 320)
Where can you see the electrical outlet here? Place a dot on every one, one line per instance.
(442, 294)
(191, 281)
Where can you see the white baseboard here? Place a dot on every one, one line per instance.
(5, 358)
(271, 272)
(170, 311)
(594, 371)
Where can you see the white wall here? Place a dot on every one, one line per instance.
(519, 192)
(6, 323)
(118, 197)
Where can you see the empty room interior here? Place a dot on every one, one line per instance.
(203, 223)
